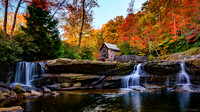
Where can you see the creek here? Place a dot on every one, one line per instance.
(111, 100)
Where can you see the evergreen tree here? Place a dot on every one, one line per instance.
(43, 29)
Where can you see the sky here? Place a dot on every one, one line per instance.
(109, 9)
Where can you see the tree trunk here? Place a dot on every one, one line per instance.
(58, 8)
(15, 18)
(5, 18)
(82, 25)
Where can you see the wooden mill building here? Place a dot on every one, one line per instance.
(108, 51)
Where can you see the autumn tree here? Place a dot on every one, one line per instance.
(14, 5)
(78, 19)
(111, 30)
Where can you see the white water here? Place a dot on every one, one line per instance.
(26, 72)
(132, 80)
(183, 79)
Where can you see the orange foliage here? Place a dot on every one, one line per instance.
(20, 21)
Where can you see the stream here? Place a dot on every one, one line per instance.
(114, 100)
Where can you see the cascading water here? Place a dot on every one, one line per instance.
(183, 78)
(26, 72)
(133, 79)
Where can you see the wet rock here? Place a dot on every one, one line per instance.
(139, 88)
(6, 93)
(29, 88)
(18, 89)
(4, 86)
(54, 86)
(24, 95)
(65, 85)
(2, 97)
(2, 89)
(13, 95)
(12, 109)
(154, 88)
(35, 93)
(54, 93)
(45, 89)
(194, 66)
(162, 68)
(78, 84)
(63, 65)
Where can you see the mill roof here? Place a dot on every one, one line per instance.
(111, 46)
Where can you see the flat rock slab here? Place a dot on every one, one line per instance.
(63, 65)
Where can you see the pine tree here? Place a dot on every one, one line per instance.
(43, 29)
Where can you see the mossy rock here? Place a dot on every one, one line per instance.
(182, 55)
(192, 51)
(18, 89)
(194, 66)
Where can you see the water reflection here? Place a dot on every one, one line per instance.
(133, 101)
(111, 101)
(184, 100)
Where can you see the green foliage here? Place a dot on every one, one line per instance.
(85, 52)
(125, 48)
(182, 44)
(74, 52)
(70, 52)
(30, 49)
(1, 34)
(9, 51)
(43, 31)
(150, 57)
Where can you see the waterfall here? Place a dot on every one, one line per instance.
(26, 72)
(133, 79)
(183, 79)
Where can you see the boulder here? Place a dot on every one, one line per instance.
(7, 92)
(18, 89)
(2, 97)
(35, 93)
(13, 95)
(64, 65)
(45, 89)
(194, 66)
(29, 88)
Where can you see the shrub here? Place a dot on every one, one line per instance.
(70, 52)
(9, 51)
(85, 52)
